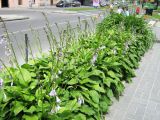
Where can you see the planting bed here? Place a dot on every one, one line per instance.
(79, 81)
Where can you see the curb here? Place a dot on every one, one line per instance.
(151, 23)
(62, 11)
(157, 24)
(12, 17)
(16, 19)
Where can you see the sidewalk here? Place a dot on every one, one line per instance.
(157, 30)
(141, 99)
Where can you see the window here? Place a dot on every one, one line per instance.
(33, 1)
(19, 2)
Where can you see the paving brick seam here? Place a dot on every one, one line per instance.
(136, 89)
(157, 72)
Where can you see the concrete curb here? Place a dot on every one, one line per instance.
(151, 23)
(16, 19)
(157, 24)
(64, 11)
(13, 17)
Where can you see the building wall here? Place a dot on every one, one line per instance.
(25, 3)
(14, 3)
(46, 2)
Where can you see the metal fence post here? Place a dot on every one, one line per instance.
(26, 48)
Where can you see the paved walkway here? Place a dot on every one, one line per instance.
(141, 99)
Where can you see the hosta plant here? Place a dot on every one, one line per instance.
(78, 82)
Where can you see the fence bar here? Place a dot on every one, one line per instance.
(26, 48)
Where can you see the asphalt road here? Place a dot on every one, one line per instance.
(37, 21)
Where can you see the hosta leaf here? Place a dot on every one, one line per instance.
(40, 103)
(1, 96)
(120, 87)
(87, 110)
(43, 67)
(129, 63)
(111, 74)
(80, 116)
(116, 63)
(73, 81)
(83, 88)
(65, 94)
(90, 118)
(46, 105)
(31, 62)
(94, 95)
(33, 74)
(106, 99)
(30, 110)
(97, 73)
(108, 81)
(75, 93)
(104, 106)
(134, 61)
(98, 88)
(18, 107)
(72, 105)
(91, 103)
(40, 93)
(109, 93)
(33, 84)
(86, 94)
(129, 70)
(28, 97)
(26, 66)
(30, 117)
(24, 77)
(81, 73)
(87, 80)
(16, 89)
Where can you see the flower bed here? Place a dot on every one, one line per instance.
(78, 82)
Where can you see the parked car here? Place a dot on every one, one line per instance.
(76, 3)
(64, 3)
(104, 3)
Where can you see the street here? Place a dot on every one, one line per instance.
(37, 20)
(18, 28)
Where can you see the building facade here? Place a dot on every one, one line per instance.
(26, 3)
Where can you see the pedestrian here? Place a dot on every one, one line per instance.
(119, 11)
(95, 3)
(111, 8)
(137, 10)
(127, 12)
(30, 3)
(123, 11)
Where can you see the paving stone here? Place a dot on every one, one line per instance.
(141, 99)
(157, 24)
(149, 117)
(128, 119)
(133, 117)
(158, 108)
(151, 108)
(118, 115)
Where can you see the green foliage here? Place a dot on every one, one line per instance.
(85, 78)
